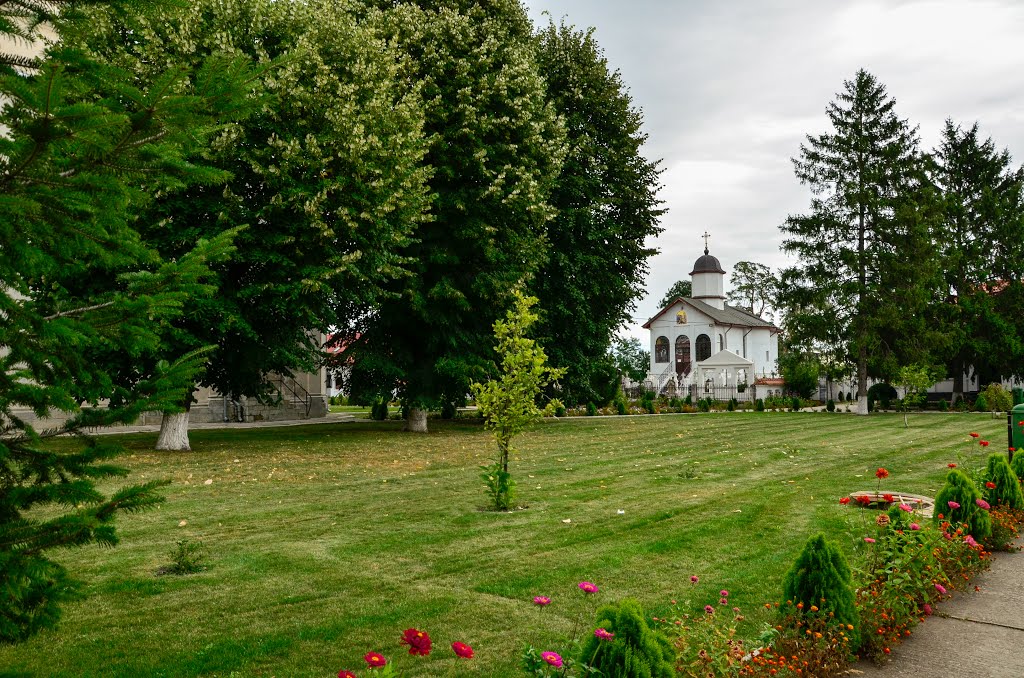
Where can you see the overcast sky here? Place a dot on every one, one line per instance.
(730, 89)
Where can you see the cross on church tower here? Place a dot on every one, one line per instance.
(706, 236)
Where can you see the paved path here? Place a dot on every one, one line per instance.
(331, 418)
(973, 635)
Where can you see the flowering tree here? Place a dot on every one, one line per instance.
(509, 403)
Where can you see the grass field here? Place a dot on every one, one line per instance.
(328, 541)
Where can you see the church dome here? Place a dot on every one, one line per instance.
(707, 264)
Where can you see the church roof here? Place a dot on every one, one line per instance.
(707, 264)
(730, 315)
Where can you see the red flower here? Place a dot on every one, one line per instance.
(888, 498)
(462, 650)
(844, 501)
(881, 473)
(418, 641)
(374, 659)
(951, 465)
(983, 443)
(990, 485)
(346, 674)
(974, 435)
(1012, 449)
(863, 499)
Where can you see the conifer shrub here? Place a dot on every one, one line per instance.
(794, 403)
(448, 410)
(840, 396)
(688, 400)
(731, 406)
(1017, 465)
(821, 578)
(943, 405)
(962, 491)
(759, 405)
(560, 410)
(591, 409)
(830, 405)
(379, 410)
(1007, 490)
(620, 405)
(981, 404)
(704, 404)
(635, 650)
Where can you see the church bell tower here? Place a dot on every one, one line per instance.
(708, 279)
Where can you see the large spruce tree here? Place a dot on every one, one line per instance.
(981, 242)
(608, 210)
(864, 248)
(84, 148)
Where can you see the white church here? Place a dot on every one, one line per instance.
(703, 347)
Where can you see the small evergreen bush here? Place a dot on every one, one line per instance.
(448, 410)
(731, 407)
(620, 406)
(759, 405)
(187, 557)
(943, 405)
(821, 577)
(840, 396)
(635, 651)
(961, 490)
(1007, 486)
(794, 404)
(704, 404)
(591, 409)
(981, 405)
(830, 405)
(559, 410)
(648, 405)
(688, 400)
(883, 393)
(379, 410)
(1017, 464)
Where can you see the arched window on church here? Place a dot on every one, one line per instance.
(683, 355)
(703, 347)
(661, 350)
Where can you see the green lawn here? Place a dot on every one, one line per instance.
(327, 541)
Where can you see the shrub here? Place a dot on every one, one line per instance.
(981, 404)
(591, 409)
(961, 490)
(883, 393)
(998, 398)
(821, 578)
(1007, 486)
(704, 404)
(560, 410)
(186, 558)
(620, 406)
(688, 400)
(379, 410)
(1017, 464)
(849, 395)
(794, 404)
(759, 405)
(840, 396)
(1005, 525)
(647, 404)
(731, 407)
(448, 410)
(636, 651)
(830, 405)
(943, 405)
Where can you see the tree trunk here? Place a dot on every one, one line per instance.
(862, 381)
(417, 421)
(958, 381)
(174, 432)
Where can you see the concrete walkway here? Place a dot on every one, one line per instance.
(976, 634)
(331, 418)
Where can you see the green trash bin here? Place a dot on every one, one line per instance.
(1015, 427)
(1018, 396)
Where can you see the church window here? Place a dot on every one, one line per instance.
(661, 350)
(683, 355)
(703, 347)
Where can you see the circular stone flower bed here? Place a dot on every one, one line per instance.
(883, 500)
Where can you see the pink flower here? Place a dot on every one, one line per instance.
(969, 540)
(552, 658)
(587, 587)
(915, 527)
(374, 659)
(602, 634)
(709, 609)
(869, 540)
(926, 608)
(906, 507)
(953, 505)
(694, 579)
(344, 673)
(723, 601)
(940, 588)
(461, 649)
(723, 593)
(541, 600)
(982, 503)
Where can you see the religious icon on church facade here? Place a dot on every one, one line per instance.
(681, 318)
(661, 350)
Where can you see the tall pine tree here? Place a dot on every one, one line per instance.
(865, 244)
(84, 149)
(979, 240)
